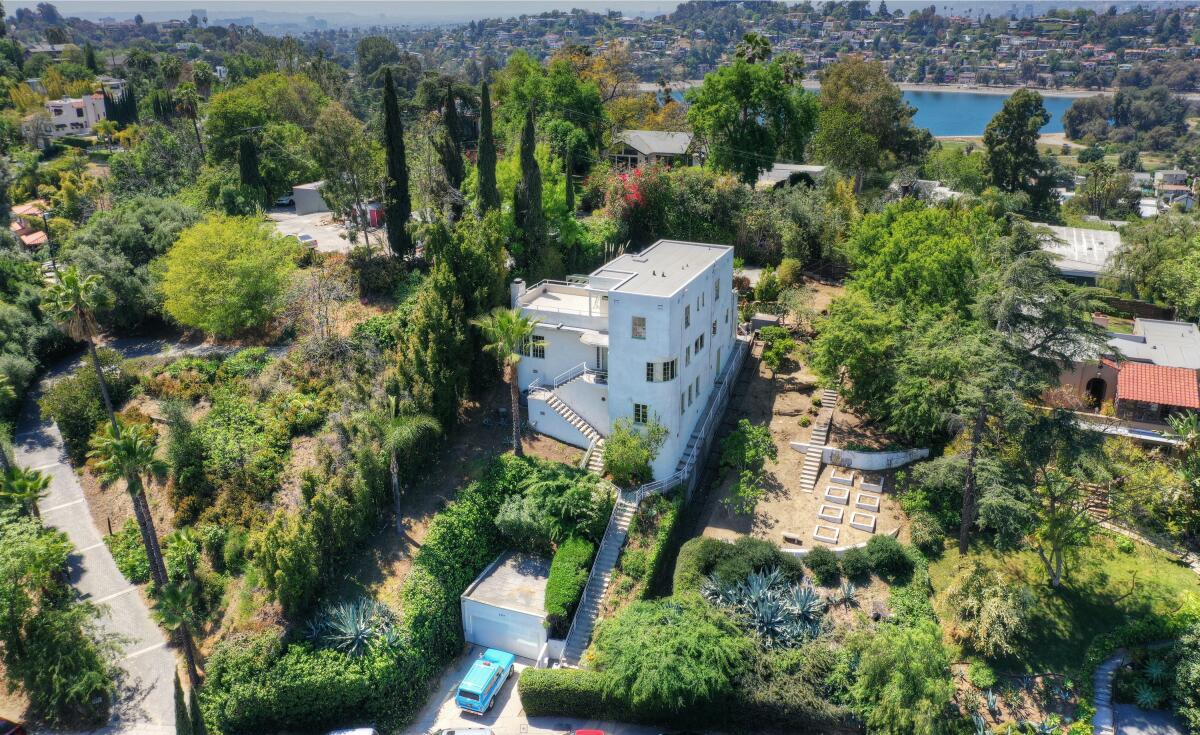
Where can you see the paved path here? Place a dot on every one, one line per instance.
(145, 703)
(1104, 722)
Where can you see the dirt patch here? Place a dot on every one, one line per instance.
(484, 434)
(14, 705)
(785, 403)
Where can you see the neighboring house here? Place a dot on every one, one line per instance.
(72, 116)
(24, 216)
(1149, 374)
(308, 199)
(644, 337)
(928, 190)
(1169, 177)
(636, 148)
(786, 174)
(1081, 254)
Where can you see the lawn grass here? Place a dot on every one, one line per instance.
(1105, 588)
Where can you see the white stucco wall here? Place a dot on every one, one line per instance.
(563, 352)
(509, 630)
(589, 400)
(545, 420)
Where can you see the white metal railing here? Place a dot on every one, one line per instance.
(574, 288)
(566, 376)
(711, 413)
(585, 599)
(587, 455)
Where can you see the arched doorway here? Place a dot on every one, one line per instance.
(1097, 389)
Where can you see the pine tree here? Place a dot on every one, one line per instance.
(183, 722)
(529, 218)
(397, 204)
(89, 58)
(489, 197)
(198, 727)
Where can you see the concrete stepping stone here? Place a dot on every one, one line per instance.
(843, 477)
(866, 501)
(827, 534)
(862, 521)
(831, 513)
(792, 537)
(839, 495)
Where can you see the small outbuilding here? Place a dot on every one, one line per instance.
(505, 607)
(308, 199)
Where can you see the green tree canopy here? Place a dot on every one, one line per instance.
(1013, 161)
(226, 275)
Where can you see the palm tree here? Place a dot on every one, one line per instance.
(6, 394)
(508, 331)
(25, 487)
(403, 432)
(72, 301)
(753, 48)
(129, 453)
(106, 130)
(187, 101)
(175, 610)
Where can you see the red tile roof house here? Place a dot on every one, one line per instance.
(24, 216)
(1148, 375)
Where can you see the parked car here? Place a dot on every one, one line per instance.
(468, 731)
(356, 731)
(307, 240)
(478, 690)
(285, 201)
(8, 727)
(586, 732)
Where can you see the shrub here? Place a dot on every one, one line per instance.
(1187, 676)
(702, 557)
(790, 272)
(927, 534)
(745, 451)
(695, 561)
(887, 556)
(74, 402)
(244, 363)
(568, 692)
(629, 451)
(790, 690)
(981, 675)
(568, 577)
(903, 683)
(986, 610)
(823, 563)
(856, 563)
(129, 553)
(634, 563)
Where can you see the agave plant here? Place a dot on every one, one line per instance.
(1157, 671)
(805, 604)
(352, 627)
(980, 725)
(1147, 697)
(848, 594)
(779, 614)
(993, 702)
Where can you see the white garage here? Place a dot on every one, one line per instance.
(308, 199)
(505, 607)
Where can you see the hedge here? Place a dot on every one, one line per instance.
(568, 577)
(570, 693)
(703, 556)
(666, 537)
(261, 685)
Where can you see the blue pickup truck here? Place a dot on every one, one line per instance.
(478, 690)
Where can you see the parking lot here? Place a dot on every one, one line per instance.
(331, 236)
(507, 717)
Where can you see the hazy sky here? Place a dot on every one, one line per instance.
(423, 12)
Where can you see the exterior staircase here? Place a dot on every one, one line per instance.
(593, 594)
(811, 470)
(572, 418)
(595, 460)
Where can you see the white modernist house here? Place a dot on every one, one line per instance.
(644, 337)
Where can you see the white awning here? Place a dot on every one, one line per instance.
(594, 339)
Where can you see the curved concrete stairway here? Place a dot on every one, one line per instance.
(593, 595)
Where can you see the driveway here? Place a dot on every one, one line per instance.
(331, 236)
(507, 717)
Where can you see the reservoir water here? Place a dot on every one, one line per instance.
(956, 112)
(967, 113)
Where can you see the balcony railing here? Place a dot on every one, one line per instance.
(566, 376)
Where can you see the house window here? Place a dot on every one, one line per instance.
(697, 386)
(702, 301)
(714, 328)
(687, 316)
(702, 341)
(689, 395)
(687, 355)
(535, 346)
(682, 405)
(698, 344)
(641, 413)
(79, 113)
(649, 372)
(639, 327)
(669, 369)
(717, 290)
(727, 316)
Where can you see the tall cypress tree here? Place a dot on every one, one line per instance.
(89, 58)
(397, 204)
(528, 213)
(450, 154)
(489, 197)
(248, 163)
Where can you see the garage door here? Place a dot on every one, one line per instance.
(513, 635)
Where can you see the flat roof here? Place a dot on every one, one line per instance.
(1161, 342)
(661, 269)
(515, 581)
(1080, 251)
(649, 142)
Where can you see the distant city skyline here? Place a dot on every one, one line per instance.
(308, 14)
